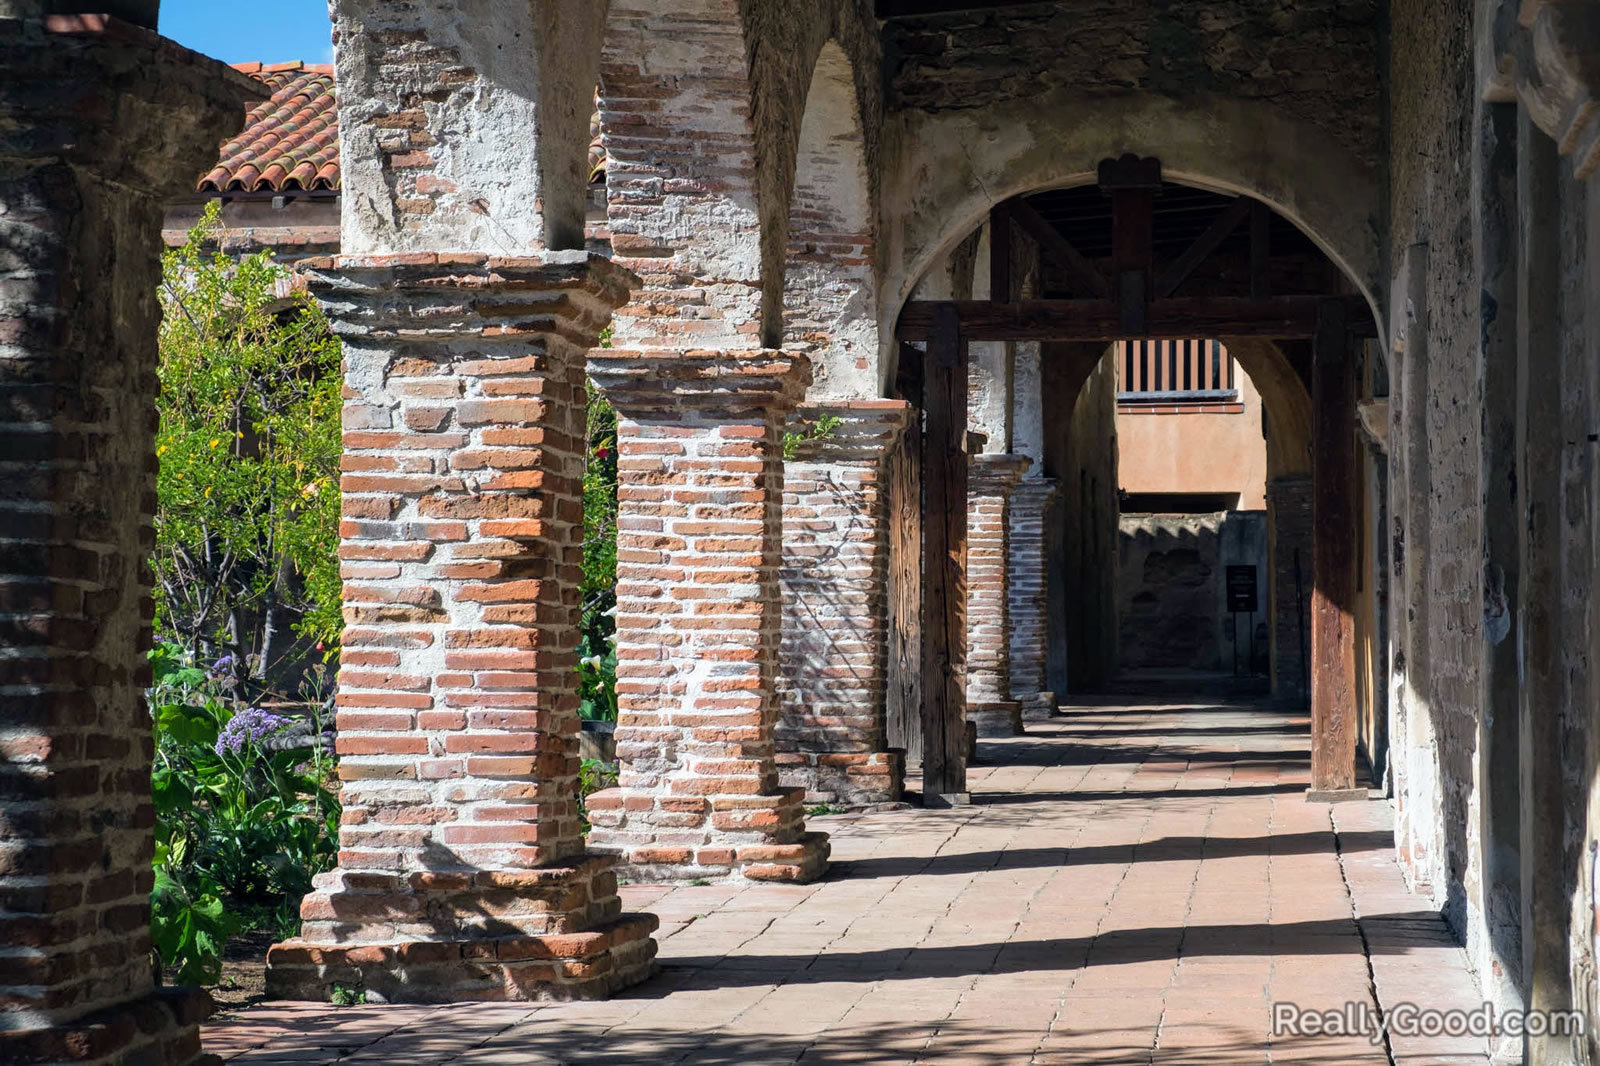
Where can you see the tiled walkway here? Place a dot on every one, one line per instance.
(1134, 883)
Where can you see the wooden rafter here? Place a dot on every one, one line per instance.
(1203, 246)
(1082, 276)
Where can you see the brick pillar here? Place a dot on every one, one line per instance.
(1028, 596)
(103, 122)
(989, 704)
(831, 734)
(1289, 517)
(462, 870)
(700, 494)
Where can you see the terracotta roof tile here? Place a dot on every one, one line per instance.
(290, 142)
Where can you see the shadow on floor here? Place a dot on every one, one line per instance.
(1165, 849)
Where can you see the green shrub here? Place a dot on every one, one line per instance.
(240, 829)
(247, 513)
(597, 653)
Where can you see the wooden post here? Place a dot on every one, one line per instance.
(944, 530)
(903, 687)
(1000, 253)
(1333, 568)
(1132, 183)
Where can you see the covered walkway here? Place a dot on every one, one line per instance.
(1137, 881)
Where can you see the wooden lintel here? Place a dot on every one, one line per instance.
(1082, 275)
(1283, 318)
(1203, 246)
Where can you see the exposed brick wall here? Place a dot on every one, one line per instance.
(1028, 589)
(700, 486)
(989, 704)
(458, 706)
(831, 731)
(99, 118)
(1314, 59)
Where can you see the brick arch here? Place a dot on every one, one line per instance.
(950, 167)
(702, 139)
(829, 287)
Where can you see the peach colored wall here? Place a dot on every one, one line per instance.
(1196, 452)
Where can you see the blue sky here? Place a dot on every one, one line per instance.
(237, 32)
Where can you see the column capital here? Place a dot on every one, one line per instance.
(652, 383)
(119, 100)
(867, 429)
(429, 297)
(996, 474)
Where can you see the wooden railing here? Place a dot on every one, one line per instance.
(1167, 371)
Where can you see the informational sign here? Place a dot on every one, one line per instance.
(1242, 589)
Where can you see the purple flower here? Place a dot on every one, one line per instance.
(222, 669)
(249, 726)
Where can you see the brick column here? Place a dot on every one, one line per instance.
(462, 870)
(1289, 515)
(1028, 596)
(831, 734)
(103, 122)
(989, 704)
(700, 494)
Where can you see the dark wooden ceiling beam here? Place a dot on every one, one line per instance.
(1081, 275)
(1201, 249)
(901, 9)
(1283, 318)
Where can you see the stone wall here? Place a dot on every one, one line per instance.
(1312, 58)
(1172, 603)
(1081, 527)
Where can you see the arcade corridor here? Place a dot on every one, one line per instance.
(1136, 881)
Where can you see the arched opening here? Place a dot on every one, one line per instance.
(1222, 309)
(829, 288)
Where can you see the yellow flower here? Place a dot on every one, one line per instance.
(215, 441)
(208, 492)
(162, 450)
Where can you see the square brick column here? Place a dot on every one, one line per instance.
(831, 734)
(462, 870)
(1028, 596)
(103, 121)
(700, 494)
(990, 708)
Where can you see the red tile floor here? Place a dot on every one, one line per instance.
(1135, 882)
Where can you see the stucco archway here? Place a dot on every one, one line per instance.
(945, 170)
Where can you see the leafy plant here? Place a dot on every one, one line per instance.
(597, 655)
(821, 429)
(247, 510)
(241, 828)
(593, 776)
(345, 996)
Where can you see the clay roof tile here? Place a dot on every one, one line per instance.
(289, 141)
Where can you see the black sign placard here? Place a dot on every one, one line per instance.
(1242, 589)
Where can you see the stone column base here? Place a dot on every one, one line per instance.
(548, 933)
(1000, 718)
(1038, 707)
(162, 1027)
(847, 779)
(690, 838)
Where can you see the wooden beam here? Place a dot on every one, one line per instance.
(903, 481)
(1283, 318)
(1260, 250)
(1082, 275)
(1000, 252)
(1202, 247)
(899, 9)
(1333, 559)
(944, 544)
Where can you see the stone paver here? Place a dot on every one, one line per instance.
(1134, 883)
